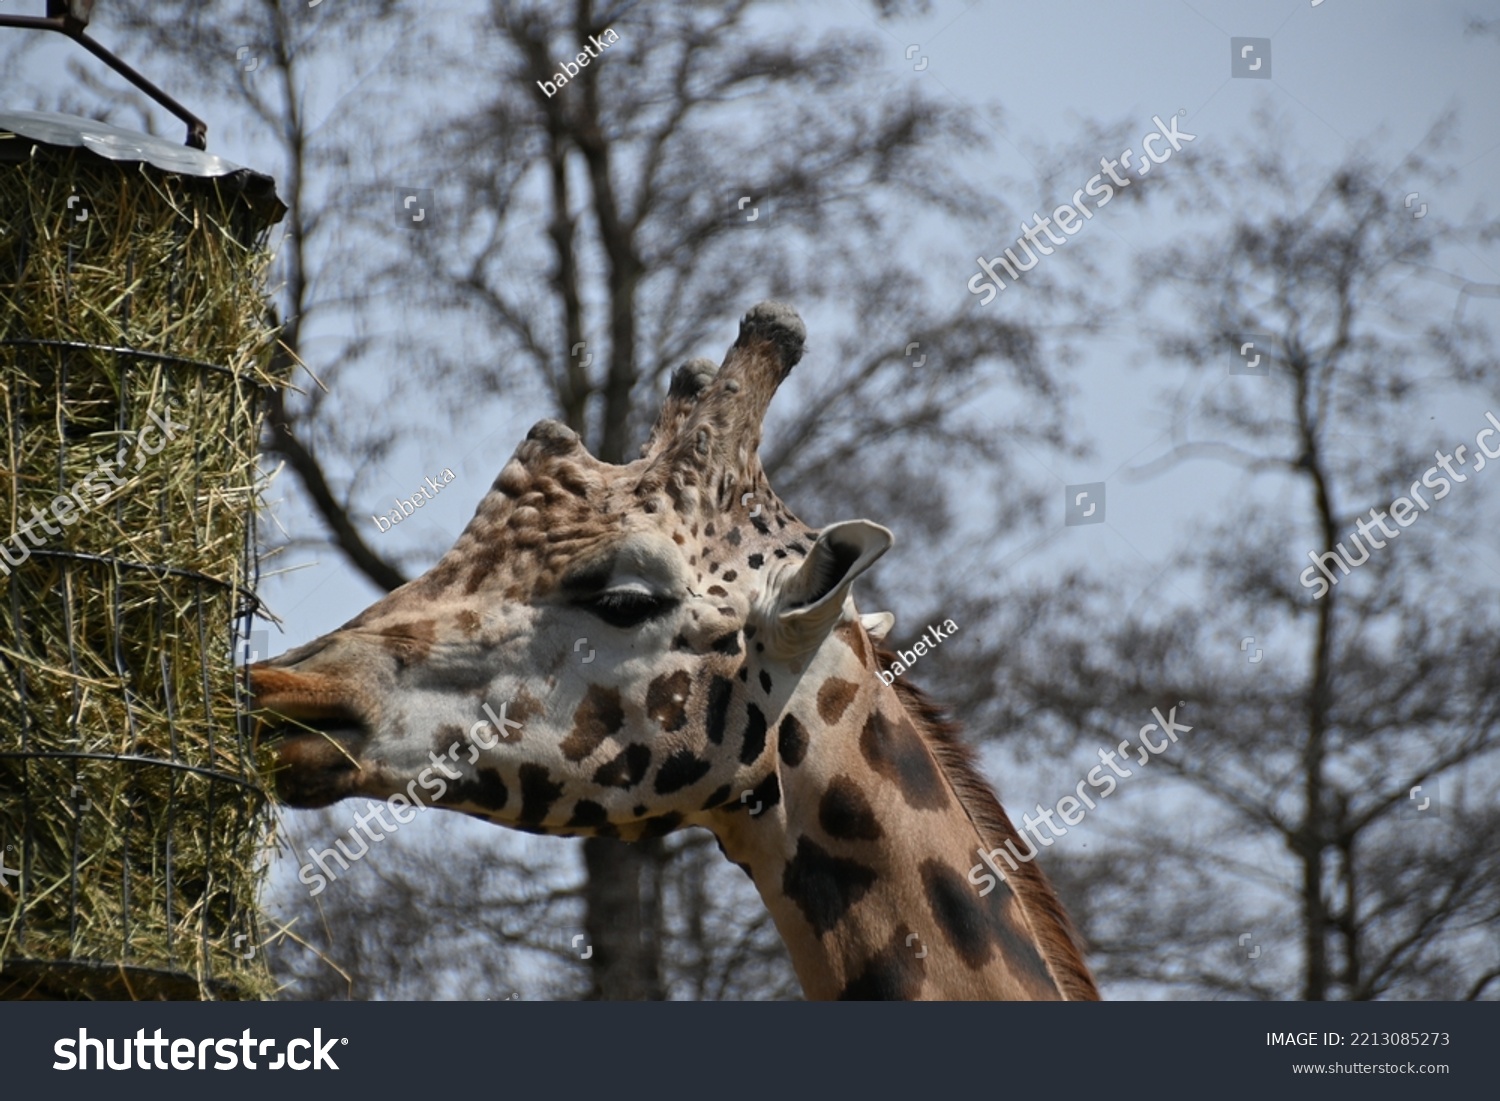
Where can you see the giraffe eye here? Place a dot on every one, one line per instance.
(628, 607)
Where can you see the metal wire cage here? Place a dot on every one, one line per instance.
(135, 348)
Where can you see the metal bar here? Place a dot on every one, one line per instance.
(197, 132)
(148, 567)
(132, 759)
(134, 353)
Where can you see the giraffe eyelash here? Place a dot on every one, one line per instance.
(628, 607)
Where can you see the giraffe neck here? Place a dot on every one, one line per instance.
(862, 862)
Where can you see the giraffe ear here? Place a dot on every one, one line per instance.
(812, 600)
(877, 624)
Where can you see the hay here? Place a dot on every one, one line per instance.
(130, 800)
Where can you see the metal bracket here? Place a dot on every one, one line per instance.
(71, 17)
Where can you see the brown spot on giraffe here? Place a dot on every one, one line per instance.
(682, 769)
(753, 740)
(979, 928)
(523, 707)
(667, 699)
(846, 814)
(896, 751)
(598, 717)
(854, 637)
(484, 789)
(539, 791)
(720, 692)
(791, 740)
(823, 885)
(834, 698)
(626, 769)
(895, 973)
(410, 642)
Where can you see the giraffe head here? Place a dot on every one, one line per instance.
(606, 649)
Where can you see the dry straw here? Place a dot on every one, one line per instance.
(133, 823)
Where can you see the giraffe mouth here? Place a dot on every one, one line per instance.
(315, 736)
(317, 761)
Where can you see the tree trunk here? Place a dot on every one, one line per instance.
(623, 919)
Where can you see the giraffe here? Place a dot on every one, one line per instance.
(675, 648)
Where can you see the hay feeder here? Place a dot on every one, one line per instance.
(135, 348)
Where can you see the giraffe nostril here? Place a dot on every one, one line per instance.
(283, 698)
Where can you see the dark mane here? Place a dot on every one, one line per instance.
(1056, 938)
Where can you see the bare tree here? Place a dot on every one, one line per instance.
(1329, 827)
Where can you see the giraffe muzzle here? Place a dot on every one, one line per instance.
(316, 736)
